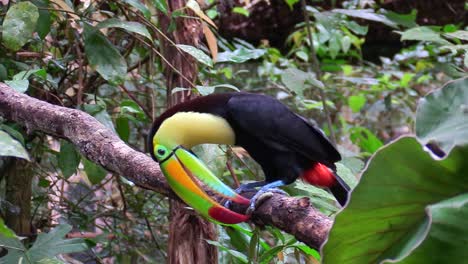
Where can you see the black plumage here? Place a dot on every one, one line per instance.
(282, 142)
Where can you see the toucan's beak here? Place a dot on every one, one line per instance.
(180, 170)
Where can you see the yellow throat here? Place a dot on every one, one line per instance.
(190, 129)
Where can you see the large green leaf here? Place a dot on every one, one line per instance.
(94, 172)
(19, 25)
(240, 55)
(11, 147)
(199, 55)
(448, 234)
(423, 34)
(47, 245)
(68, 158)
(296, 80)
(386, 216)
(103, 56)
(368, 14)
(442, 116)
(130, 26)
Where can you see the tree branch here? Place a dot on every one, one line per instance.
(102, 146)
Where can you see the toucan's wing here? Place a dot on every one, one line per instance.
(276, 126)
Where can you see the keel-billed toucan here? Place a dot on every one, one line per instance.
(285, 144)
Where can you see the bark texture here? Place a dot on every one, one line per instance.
(100, 145)
(188, 231)
(18, 193)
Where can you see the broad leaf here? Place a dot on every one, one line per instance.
(94, 172)
(199, 55)
(11, 147)
(240, 55)
(448, 233)
(161, 5)
(368, 14)
(206, 90)
(103, 56)
(19, 25)
(423, 34)
(5, 231)
(442, 116)
(130, 26)
(46, 246)
(68, 159)
(385, 218)
(356, 102)
(140, 6)
(296, 80)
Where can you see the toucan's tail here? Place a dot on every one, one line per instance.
(340, 190)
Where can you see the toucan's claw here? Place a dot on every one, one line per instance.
(260, 197)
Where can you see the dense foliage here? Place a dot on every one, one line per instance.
(104, 58)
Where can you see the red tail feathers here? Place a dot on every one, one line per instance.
(319, 175)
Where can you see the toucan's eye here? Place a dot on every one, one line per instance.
(160, 152)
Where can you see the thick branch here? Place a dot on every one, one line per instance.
(102, 146)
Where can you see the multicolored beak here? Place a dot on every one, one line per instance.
(181, 168)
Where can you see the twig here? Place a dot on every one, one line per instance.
(318, 72)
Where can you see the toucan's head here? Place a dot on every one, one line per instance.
(170, 141)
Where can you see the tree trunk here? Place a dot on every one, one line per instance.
(18, 196)
(188, 231)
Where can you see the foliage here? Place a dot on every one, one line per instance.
(405, 196)
(45, 247)
(104, 58)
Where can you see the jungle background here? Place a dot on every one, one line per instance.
(385, 80)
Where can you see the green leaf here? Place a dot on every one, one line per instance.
(253, 246)
(20, 86)
(5, 231)
(47, 245)
(423, 34)
(19, 25)
(270, 254)
(44, 21)
(238, 255)
(367, 14)
(241, 10)
(123, 128)
(442, 116)
(240, 55)
(356, 102)
(140, 6)
(296, 80)
(206, 90)
(161, 5)
(94, 172)
(385, 218)
(103, 56)
(105, 119)
(130, 26)
(406, 20)
(365, 139)
(199, 55)
(68, 159)
(447, 232)
(238, 239)
(11, 147)
(291, 3)
(460, 34)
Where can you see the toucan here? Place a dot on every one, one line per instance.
(286, 145)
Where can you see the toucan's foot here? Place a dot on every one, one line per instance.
(260, 197)
(244, 188)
